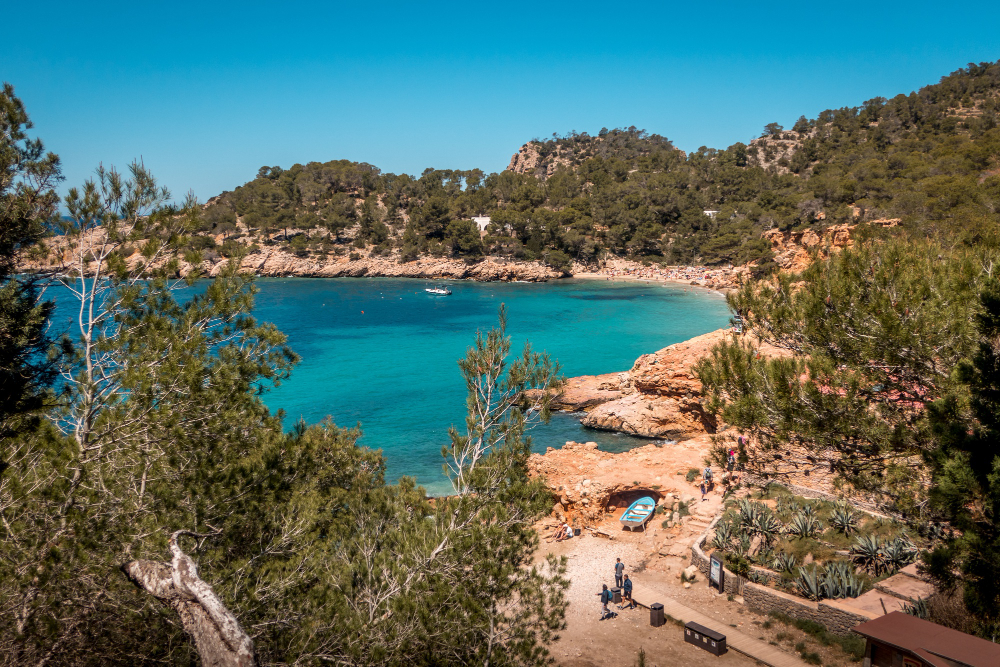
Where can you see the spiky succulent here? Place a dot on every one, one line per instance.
(749, 511)
(918, 608)
(899, 553)
(787, 504)
(764, 557)
(810, 583)
(840, 581)
(724, 535)
(765, 526)
(741, 546)
(783, 562)
(868, 552)
(804, 525)
(844, 519)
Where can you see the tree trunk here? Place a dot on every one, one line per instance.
(217, 635)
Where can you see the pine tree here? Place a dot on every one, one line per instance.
(966, 474)
(868, 338)
(27, 202)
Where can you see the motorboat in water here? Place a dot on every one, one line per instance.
(440, 290)
(638, 513)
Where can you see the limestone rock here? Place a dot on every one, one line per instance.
(660, 396)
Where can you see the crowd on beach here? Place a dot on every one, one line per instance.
(686, 274)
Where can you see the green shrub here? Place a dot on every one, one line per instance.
(692, 474)
(853, 645)
(811, 657)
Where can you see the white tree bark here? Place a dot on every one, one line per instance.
(217, 635)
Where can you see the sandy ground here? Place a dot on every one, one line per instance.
(588, 641)
(639, 279)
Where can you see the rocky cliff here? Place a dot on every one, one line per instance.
(658, 397)
(276, 262)
(793, 250)
(529, 160)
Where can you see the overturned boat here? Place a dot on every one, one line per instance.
(638, 513)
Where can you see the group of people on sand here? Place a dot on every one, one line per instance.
(680, 273)
(622, 583)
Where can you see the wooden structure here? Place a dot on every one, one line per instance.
(705, 638)
(901, 640)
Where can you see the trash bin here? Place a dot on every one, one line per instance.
(656, 617)
(617, 593)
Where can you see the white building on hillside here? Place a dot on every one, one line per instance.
(481, 221)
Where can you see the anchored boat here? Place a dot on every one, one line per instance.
(440, 290)
(638, 513)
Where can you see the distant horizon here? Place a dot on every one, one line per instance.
(209, 94)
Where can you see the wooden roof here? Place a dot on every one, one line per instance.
(930, 640)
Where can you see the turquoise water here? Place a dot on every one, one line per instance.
(382, 352)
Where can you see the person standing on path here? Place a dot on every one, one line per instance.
(619, 571)
(605, 599)
(627, 592)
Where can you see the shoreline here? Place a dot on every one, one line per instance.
(279, 264)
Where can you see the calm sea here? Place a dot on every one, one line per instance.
(382, 352)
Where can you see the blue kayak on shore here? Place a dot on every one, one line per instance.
(638, 513)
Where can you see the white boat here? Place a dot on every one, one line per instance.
(440, 290)
(638, 513)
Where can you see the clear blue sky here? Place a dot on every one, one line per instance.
(206, 93)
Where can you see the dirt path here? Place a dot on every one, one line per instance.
(590, 642)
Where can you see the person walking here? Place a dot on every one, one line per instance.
(605, 599)
(627, 592)
(619, 571)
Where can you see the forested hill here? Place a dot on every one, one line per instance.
(930, 158)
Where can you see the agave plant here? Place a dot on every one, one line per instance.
(899, 553)
(765, 526)
(786, 504)
(810, 583)
(783, 562)
(840, 581)
(808, 510)
(868, 552)
(757, 577)
(724, 535)
(804, 525)
(918, 608)
(764, 557)
(749, 511)
(741, 546)
(844, 519)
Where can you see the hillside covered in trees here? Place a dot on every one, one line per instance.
(930, 158)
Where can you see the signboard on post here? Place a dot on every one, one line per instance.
(716, 574)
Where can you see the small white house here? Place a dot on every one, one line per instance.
(482, 221)
(711, 214)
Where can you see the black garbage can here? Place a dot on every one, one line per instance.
(656, 618)
(617, 595)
